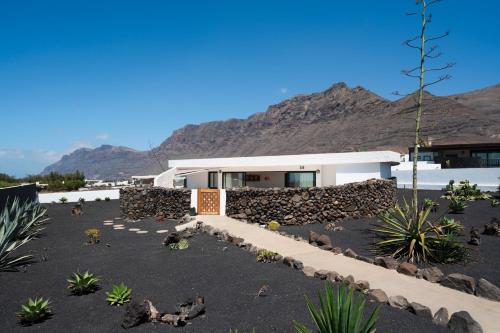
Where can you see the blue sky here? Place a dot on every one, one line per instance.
(85, 73)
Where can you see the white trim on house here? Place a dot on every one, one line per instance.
(329, 169)
(290, 160)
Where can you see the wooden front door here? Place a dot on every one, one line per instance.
(208, 201)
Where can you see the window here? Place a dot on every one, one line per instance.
(213, 180)
(233, 179)
(300, 179)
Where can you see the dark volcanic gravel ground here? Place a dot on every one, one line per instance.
(485, 262)
(227, 278)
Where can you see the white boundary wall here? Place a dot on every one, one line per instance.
(487, 179)
(74, 196)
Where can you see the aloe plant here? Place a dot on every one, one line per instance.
(339, 312)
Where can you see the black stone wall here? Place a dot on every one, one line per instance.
(311, 205)
(137, 203)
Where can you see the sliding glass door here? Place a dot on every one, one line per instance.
(233, 179)
(300, 179)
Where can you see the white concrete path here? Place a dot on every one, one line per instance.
(433, 295)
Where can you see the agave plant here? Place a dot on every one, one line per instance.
(119, 294)
(83, 283)
(340, 312)
(34, 311)
(181, 245)
(19, 223)
(456, 205)
(415, 238)
(63, 200)
(30, 215)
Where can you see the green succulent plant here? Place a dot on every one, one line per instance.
(119, 294)
(457, 205)
(107, 199)
(83, 283)
(98, 199)
(266, 256)
(273, 225)
(63, 200)
(34, 311)
(19, 224)
(81, 200)
(401, 234)
(181, 245)
(340, 311)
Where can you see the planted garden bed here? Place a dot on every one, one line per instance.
(484, 262)
(228, 277)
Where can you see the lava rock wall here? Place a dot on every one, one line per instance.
(137, 203)
(311, 205)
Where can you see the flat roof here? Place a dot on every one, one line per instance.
(289, 160)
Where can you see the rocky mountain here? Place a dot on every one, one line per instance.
(339, 119)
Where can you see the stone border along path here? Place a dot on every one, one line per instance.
(432, 295)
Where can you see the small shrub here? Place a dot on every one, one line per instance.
(119, 294)
(107, 199)
(83, 283)
(340, 312)
(465, 191)
(63, 200)
(266, 256)
(494, 203)
(81, 200)
(34, 311)
(273, 225)
(94, 235)
(181, 245)
(449, 226)
(456, 205)
(98, 199)
(429, 203)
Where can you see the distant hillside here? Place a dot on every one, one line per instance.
(339, 119)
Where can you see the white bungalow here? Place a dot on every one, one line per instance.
(211, 176)
(278, 171)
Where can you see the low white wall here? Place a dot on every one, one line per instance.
(351, 173)
(328, 176)
(74, 196)
(222, 194)
(487, 179)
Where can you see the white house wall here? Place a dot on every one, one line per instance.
(350, 173)
(328, 176)
(197, 180)
(487, 179)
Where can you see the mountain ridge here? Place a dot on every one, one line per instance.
(338, 119)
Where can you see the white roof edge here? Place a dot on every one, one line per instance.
(385, 156)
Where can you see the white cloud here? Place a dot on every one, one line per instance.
(77, 145)
(12, 154)
(102, 136)
(283, 90)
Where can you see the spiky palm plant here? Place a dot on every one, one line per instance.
(340, 312)
(83, 283)
(401, 235)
